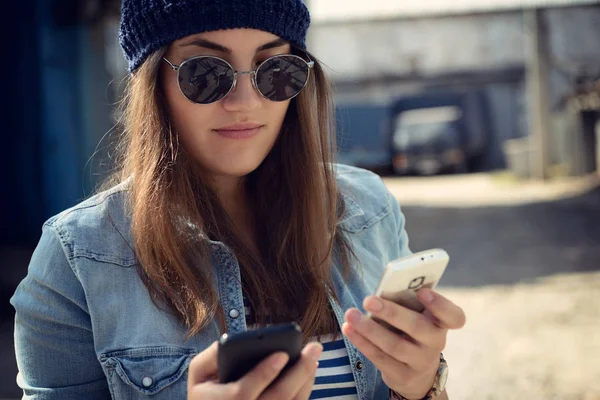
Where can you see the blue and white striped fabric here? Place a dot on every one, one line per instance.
(334, 378)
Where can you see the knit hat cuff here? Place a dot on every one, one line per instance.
(149, 29)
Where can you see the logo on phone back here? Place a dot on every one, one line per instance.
(417, 283)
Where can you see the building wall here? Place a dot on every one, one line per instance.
(574, 36)
(426, 46)
(377, 61)
(476, 43)
(20, 153)
(60, 113)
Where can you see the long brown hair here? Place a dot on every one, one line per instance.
(293, 194)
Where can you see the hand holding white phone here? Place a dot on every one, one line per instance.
(403, 277)
(404, 345)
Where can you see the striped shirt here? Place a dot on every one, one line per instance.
(334, 379)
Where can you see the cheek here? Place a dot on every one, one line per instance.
(187, 118)
(278, 111)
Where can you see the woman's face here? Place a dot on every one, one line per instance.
(210, 132)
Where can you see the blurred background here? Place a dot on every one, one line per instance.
(481, 116)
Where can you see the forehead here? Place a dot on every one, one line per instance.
(239, 41)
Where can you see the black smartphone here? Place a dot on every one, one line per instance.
(241, 352)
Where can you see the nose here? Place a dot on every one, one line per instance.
(244, 96)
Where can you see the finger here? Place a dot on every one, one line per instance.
(210, 391)
(419, 327)
(382, 361)
(292, 381)
(306, 390)
(204, 366)
(251, 385)
(448, 314)
(417, 356)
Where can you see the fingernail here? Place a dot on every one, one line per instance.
(279, 361)
(347, 329)
(354, 316)
(313, 351)
(426, 296)
(373, 304)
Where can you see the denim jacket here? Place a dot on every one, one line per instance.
(86, 327)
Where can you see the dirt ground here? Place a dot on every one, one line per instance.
(525, 267)
(538, 340)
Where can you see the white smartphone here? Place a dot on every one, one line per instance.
(403, 277)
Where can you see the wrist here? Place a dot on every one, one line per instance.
(437, 390)
(421, 390)
(397, 396)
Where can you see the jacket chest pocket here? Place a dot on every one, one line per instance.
(147, 373)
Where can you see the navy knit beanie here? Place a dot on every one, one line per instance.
(147, 25)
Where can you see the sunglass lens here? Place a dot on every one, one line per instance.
(205, 80)
(281, 78)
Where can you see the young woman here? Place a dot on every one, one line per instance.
(228, 213)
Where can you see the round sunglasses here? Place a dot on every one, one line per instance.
(207, 79)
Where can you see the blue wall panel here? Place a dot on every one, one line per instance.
(60, 114)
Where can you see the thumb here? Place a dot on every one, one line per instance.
(204, 366)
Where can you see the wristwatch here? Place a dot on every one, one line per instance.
(439, 384)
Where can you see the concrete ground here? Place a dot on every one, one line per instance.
(525, 267)
(485, 189)
(536, 340)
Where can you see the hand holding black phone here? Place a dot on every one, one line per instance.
(241, 352)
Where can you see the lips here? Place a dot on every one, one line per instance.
(240, 127)
(239, 131)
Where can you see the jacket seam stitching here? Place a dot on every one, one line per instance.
(99, 258)
(371, 221)
(67, 249)
(93, 204)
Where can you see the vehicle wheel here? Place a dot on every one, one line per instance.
(461, 168)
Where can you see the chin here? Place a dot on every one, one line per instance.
(237, 171)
